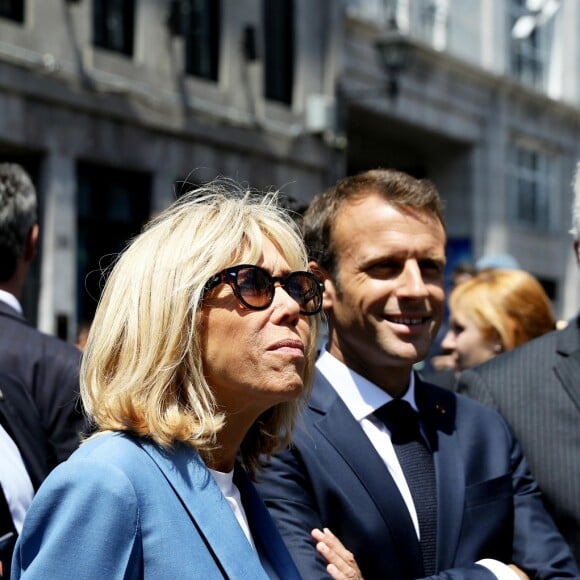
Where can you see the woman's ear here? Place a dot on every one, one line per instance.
(317, 269)
(329, 287)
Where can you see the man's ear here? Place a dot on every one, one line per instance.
(31, 243)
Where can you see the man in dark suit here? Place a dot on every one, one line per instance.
(415, 480)
(536, 387)
(46, 366)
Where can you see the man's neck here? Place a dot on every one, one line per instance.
(394, 380)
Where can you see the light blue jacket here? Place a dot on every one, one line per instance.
(121, 508)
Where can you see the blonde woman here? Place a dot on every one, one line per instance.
(494, 312)
(197, 361)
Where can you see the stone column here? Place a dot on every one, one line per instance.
(57, 300)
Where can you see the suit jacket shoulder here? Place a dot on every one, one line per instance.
(49, 369)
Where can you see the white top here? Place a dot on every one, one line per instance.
(11, 300)
(363, 398)
(14, 478)
(225, 482)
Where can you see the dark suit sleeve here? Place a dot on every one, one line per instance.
(538, 547)
(58, 400)
(287, 493)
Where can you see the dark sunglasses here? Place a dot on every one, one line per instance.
(254, 287)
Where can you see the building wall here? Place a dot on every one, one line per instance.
(66, 101)
(455, 119)
(463, 112)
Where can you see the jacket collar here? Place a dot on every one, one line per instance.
(214, 520)
(7, 310)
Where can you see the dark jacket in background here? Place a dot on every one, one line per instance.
(536, 387)
(49, 370)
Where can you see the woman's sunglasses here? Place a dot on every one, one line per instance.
(254, 287)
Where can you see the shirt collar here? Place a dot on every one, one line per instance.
(361, 396)
(11, 300)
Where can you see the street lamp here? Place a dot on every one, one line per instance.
(394, 51)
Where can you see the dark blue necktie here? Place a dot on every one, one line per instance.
(417, 463)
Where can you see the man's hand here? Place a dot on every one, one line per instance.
(341, 562)
(521, 574)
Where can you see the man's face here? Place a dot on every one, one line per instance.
(386, 302)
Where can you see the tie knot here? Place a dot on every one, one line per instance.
(400, 419)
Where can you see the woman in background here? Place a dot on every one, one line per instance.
(493, 312)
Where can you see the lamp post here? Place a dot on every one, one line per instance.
(394, 53)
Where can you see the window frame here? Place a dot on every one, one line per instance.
(532, 175)
(279, 50)
(105, 37)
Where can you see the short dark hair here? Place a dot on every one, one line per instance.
(18, 213)
(397, 188)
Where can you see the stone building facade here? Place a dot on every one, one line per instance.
(114, 105)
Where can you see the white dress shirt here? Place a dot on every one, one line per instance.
(16, 484)
(363, 398)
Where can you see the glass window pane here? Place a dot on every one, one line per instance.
(12, 9)
(113, 25)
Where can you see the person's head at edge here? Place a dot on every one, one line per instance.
(167, 361)
(494, 312)
(18, 226)
(378, 241)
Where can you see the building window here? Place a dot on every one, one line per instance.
(278, 50)
(201, 28)
(12, 9)
(113, 25)
(532, 188)
(531, 40)
(113, 205)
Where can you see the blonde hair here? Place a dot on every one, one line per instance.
(509, 304)
(142, 368)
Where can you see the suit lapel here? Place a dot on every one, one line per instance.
(438, 408)
(567, 366)
(341, 430)
(190, 479)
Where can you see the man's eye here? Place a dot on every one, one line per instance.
(385, 266)
(432, 266)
